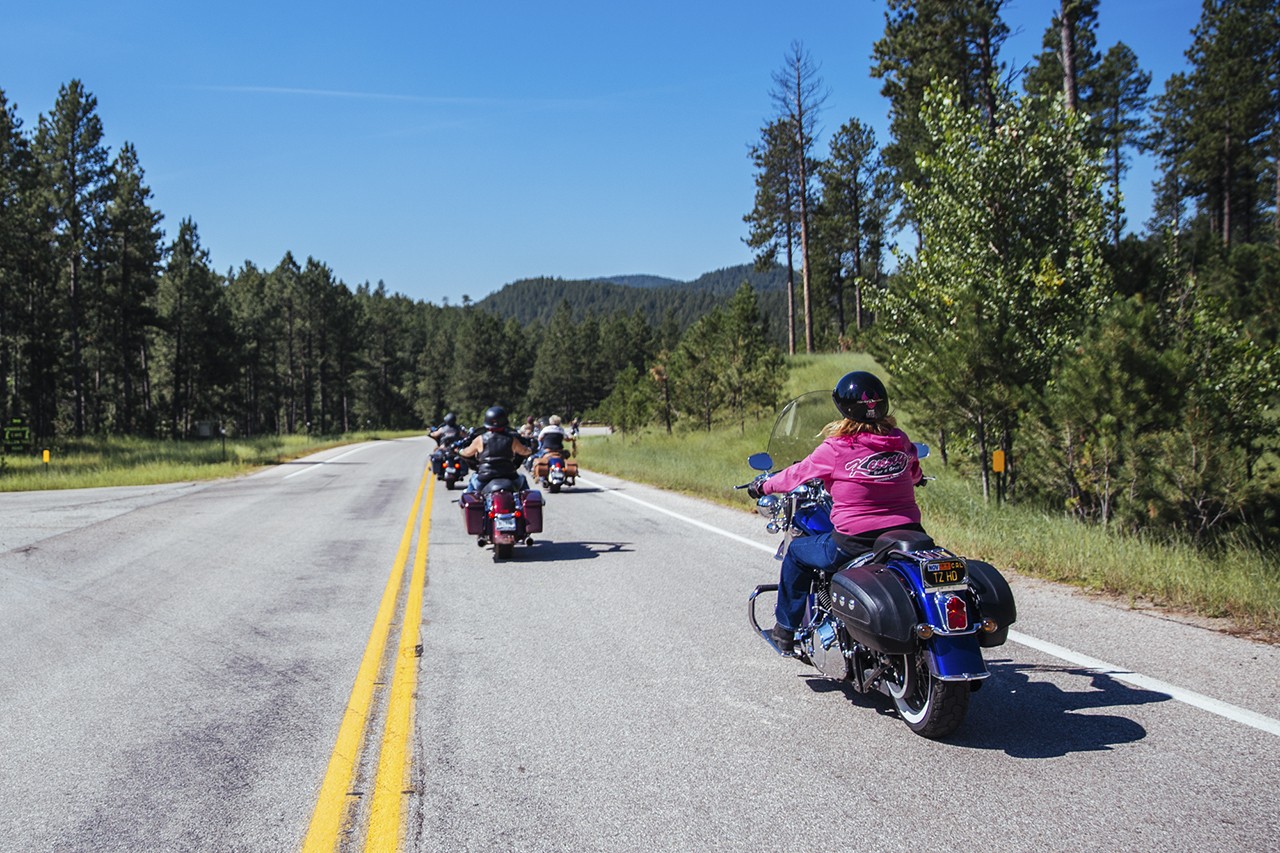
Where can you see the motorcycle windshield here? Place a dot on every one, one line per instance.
(798, 429)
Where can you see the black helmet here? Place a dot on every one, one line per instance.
(495, 417)
(860, 396)
(451, 419)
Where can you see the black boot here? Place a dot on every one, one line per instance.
(784, 639)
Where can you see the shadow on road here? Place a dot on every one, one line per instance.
(545, 550)
(1033, 718)
(1029, 718)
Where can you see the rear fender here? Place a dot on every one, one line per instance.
(955, 658)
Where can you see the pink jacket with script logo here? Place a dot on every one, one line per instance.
(871, 479)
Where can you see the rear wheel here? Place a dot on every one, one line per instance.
(554, 487)
(931, 708)
(503, 551)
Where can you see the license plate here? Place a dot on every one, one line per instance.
(944, 572)
(504, 523)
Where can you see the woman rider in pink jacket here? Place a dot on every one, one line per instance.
(870, 468)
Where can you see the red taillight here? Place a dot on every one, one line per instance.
(491, 513)
(957, 613)
(519, 514)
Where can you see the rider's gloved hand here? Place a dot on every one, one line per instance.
(756, 488)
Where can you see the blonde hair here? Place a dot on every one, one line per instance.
(848, 426)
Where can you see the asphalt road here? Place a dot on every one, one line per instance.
(176, 663)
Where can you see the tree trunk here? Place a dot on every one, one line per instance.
(804, 274)
(857, 271)
(1226, 189)
(802, 172)
(982, 455)
(1115, 178)
(1069, 57)
(986, 64)
(791, 295)
(77, 368)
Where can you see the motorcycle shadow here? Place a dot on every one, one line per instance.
(1035, 718)
(556, 551)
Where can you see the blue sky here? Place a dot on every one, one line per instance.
(451, 148)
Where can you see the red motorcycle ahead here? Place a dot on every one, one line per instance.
(502, 514)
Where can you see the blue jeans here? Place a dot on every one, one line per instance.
(806, 556)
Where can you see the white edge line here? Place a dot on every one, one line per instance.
(1145, 682)
(319, 463)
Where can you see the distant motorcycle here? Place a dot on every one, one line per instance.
(453, 467)
(555, 470)
(446, 464)
(908, 619)
(502, 514)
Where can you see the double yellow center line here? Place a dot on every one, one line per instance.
(336, 813)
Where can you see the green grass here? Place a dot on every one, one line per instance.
(89, 462)
(1241, 584)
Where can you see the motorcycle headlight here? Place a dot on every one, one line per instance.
(768, 505)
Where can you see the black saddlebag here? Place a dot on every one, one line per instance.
(875, 607)
(995, 601)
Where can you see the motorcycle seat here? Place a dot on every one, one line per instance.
(900, 540)
(501, 484)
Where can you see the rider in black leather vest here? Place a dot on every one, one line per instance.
(495, 451)
(496, 457)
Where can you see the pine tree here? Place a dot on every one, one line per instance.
(774, 219)
(77, 175)
(1233, 116)
(752, 370)
(257, 326)
(435, 359)
(695, 369)
(925, 40)
(1118, 101)
(285, 297)
(553, 364)
(475, 379)
(132, 255)
(197, 344)
(1169, 141)
(851, 220)
(798, 97)
(16, 185)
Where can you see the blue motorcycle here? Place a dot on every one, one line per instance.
(908, 619)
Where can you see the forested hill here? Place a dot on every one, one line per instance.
(535, 300)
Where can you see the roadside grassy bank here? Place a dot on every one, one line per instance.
(78, 463)
(1241, 585)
